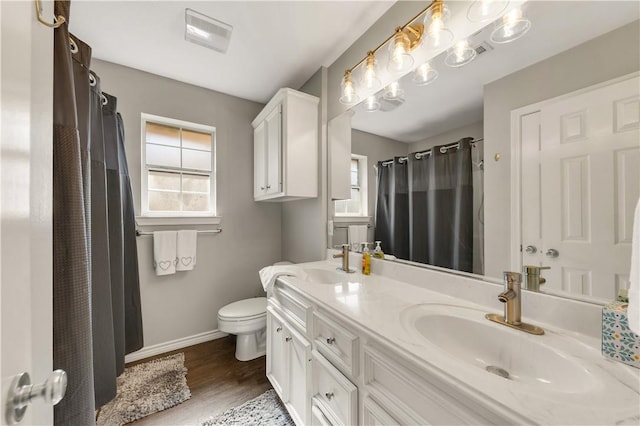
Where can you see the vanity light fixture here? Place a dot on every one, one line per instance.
(424, 74)
(206, 31)
(460, 54)
(370, 80)
(349, 95)
(486, 10)
(371, 104)
(404, 41)
(511, 27)
(393, 92)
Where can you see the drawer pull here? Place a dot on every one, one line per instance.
(331, 340)
(278, 330)
(287, 339)
(329, 395)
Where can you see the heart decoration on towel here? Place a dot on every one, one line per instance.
(186, 261)
(164, 264)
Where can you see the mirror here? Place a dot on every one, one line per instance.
(567, 205)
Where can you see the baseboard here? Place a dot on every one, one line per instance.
(172, 345)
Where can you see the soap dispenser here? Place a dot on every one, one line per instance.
(366, 260)
(377, 252)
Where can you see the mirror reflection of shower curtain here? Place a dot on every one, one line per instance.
(392, 209)
(436, 218)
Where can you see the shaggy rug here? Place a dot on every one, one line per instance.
(146, 389)
(265, 409)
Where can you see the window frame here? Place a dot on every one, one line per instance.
(144, 183)
(363, 189)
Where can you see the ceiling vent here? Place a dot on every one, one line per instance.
(483, 47)
(205, 31)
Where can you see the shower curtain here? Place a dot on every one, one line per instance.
(437, 217)
(96, 315)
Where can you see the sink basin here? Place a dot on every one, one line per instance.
(325, 276)
(464, 334)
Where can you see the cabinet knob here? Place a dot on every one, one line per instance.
(287, 339)
(331, 340)
(278, 330)
(262, 188)
(268, 186)
(329, 395)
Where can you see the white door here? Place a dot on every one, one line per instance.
(274, 150)
(277, 362)
(26, 99)
(259, 161)
(299, 356)
(586, 149)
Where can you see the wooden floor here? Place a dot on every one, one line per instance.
(217, 381)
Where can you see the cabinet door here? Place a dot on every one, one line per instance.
(277, 354)
(259, 160)
(274, 151)
(299, 356)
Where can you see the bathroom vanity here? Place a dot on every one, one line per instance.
(407, 345)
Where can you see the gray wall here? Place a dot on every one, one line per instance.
(304, 236)
(185, 304)
(609, 56)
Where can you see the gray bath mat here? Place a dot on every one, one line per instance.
(146, 389)
(265, 409)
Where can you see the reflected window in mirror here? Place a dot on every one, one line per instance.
(357, 204)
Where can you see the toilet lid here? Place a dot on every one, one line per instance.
(246, 308)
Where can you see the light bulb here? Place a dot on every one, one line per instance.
(393, 91)
(434, 21)
(371, 104)
(399, 58)
(511, 27)
(424, 74)
(349, 94)
(370, 78)
(461, 54)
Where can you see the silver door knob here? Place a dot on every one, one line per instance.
(553, 253)
(23, 393)
(531, 249)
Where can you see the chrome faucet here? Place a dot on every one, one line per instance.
(513, 305)
(532, 278)
(345, 259)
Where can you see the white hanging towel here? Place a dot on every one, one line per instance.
(357, 235)
(633, 311)
(186, 250)
(164, 252)
(269, 274)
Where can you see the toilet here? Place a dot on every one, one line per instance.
(248, 320)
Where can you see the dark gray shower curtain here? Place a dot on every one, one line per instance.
(425, 208)
(90, 313)
(392, 219)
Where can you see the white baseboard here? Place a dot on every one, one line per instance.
(172, 345)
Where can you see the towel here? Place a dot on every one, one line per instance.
(633, 311)
(164, 252)
(186, 250)
(269, 274)
(357, 236)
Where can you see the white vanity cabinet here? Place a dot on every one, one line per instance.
(285, 150)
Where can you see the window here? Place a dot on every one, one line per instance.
(178, 173)
(357, 204)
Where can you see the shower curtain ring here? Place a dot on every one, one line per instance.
(73, 45)
(104, 99)
(92, 80)
(57, 21)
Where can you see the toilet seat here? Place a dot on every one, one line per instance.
(244, 310)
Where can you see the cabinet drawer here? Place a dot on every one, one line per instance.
(336, 343)
(411, 398)
(296, 309)
(334, 392)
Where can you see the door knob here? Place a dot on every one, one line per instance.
(23, 393)
(531, 249)
(552, 253)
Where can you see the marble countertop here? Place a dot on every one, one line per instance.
(606, 392)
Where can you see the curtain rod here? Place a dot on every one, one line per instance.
(212, 231)
(443, 149)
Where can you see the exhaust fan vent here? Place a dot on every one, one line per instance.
(483, 47)
(205, 31)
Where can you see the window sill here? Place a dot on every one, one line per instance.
(351, 219)
(173, 220)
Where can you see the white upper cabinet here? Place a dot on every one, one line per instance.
(286, 148)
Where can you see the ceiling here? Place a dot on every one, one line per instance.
(455, 99)
(273, 45)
